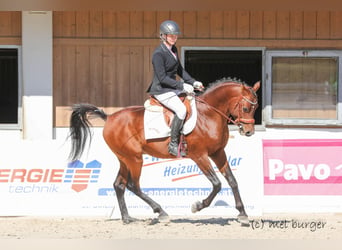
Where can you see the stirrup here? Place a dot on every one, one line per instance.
(173, 148)
(176, 150)
(183, 146)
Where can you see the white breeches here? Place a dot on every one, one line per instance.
(172, 101)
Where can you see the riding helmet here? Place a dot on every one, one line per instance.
(169, 27)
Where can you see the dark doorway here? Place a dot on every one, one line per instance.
(211, 65)
(8, 86)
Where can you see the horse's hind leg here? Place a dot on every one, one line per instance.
(163, 216)
(134, 186)
(221, 162)
(120, 184)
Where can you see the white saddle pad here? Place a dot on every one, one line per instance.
(155, 125)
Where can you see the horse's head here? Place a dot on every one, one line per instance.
(243, 110)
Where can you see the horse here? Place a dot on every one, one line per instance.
(123, 131)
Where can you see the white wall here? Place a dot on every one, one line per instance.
(37, 74)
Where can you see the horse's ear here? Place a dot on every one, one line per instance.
(256, 86)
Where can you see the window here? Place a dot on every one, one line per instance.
(9, 87)
(302, 88)
(208, 64)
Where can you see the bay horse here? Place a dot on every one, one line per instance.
(226, 101)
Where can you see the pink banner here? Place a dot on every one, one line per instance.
(303, 167)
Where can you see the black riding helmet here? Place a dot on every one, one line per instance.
(169, 27)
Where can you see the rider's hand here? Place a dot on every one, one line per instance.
(188, 88)
(198, 85)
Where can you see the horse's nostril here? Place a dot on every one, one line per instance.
(248, 133)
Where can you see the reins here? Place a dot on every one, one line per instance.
(215, 109)
(238, 120)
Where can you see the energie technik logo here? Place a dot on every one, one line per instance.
(41, 180)
(79, 175)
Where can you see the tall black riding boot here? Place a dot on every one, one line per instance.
(176, 127)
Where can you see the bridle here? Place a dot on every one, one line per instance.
(239, 120)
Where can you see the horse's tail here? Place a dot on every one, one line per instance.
(80, 127)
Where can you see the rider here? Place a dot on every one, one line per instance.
(165, 87)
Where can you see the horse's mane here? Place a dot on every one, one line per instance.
(224, 80)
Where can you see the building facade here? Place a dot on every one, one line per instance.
(52, 59)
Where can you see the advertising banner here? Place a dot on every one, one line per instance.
(303, 167)
(37, 179)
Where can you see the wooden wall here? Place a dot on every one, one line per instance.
(201, 24)
(10, 27)
(104, 57)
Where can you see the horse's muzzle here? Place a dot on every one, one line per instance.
(246, 129)
(249, 133)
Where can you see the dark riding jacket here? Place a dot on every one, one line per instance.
(166, 67)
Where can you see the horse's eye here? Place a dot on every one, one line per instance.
(245, 109)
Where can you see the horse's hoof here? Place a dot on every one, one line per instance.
(244, 221)
(128, 220)
(164, 218)
(196, 207)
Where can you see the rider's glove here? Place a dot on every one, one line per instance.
(198, 85)
(188, 88)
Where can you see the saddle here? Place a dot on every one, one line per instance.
(158, 118)
(153, 104)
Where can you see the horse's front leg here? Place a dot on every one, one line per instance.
(228, 174)
(221, 162)
(205, 166)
